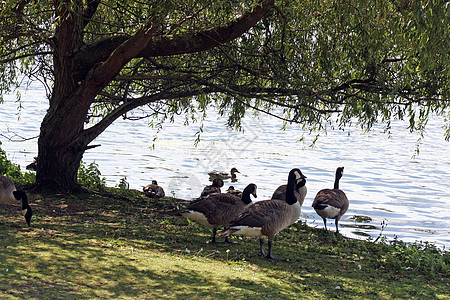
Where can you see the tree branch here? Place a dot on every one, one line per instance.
(167, 45)
(91, 133)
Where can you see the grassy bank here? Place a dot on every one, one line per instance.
(108, 246)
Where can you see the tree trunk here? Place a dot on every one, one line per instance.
(63, 139)
(61, 146)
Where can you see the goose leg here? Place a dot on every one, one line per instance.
(336, 223)
(214, 236)
(261, 243)
(325, 223)
(270, 256)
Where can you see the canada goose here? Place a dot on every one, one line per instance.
(331, 203)
(224, 175)
(299, 191)
(218, 210)
(213, 188)
(234, 192)
(9, 195)
(268, 217)
(153, 190)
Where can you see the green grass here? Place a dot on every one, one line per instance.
(110, 246)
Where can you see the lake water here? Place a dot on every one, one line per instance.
(383, 182)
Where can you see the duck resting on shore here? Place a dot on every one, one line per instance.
(231, 190)
(153, 190)
(214, 188)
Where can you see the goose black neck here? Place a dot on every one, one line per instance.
(21, 195)
(25, 204)
(290, 188)
(246, 195)
(336, 182)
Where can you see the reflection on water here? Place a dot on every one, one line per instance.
(381, 180)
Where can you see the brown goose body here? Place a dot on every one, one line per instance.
(217, 210)
(153, 190)
(214, 188)
(9, 195)
(268, 217)
(331, 203)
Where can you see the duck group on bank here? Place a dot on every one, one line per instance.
(234, 210)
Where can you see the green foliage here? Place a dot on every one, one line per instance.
(417, 257)
(318, 63)
(123, 184)
(13, 171)
(123, 189)
(322, 64)
(89, 176)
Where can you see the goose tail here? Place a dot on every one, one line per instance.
(320, 206)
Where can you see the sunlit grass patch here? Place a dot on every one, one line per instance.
(107, 246)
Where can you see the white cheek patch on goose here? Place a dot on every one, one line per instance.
(24, 211)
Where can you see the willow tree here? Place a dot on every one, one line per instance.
(317, 63)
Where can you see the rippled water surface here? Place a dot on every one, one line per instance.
(381, 179)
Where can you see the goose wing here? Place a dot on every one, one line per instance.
(331, 197)
(215, 204)
(280, 193)
(261, 213)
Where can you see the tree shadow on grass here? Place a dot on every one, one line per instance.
(96, 246)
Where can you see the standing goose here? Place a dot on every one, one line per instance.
(299, 191)
(224, 175)
(9, 195)
(153, 190)
(331, 203)
(214, 188)
(268, 217)
(218, 210)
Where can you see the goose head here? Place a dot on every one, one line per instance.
(249, 190)
(295, 179)
(339, 173)
(300, 179)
